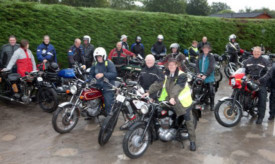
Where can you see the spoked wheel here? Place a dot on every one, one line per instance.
(218, 75)
(133, 145)
(47, 99)
(63, 121)
(229, 70)
(226, 114)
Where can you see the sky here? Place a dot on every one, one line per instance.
(236, 5)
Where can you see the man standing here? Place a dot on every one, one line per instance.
(257, 68)
(138, 48)
(46, 51)
(76, 53)
(193, 52)
(233, 48)
(88, 51)
(202, 43)
(118, 55)
(124, 42)
(159, 49)
(7, 51)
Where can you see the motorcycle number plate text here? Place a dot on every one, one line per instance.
(120, 98)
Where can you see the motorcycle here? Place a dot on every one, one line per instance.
(159, 122)
(86, 101)
(27, 89)
(229, 110)
(128, 99)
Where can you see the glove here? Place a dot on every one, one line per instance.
(49, 53)
(83, 67)
(4, 70)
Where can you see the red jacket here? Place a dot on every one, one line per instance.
(113, 55)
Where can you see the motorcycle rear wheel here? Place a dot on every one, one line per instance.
(47, 99)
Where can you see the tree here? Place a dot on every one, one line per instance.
(225, 12)
(198, 7)
(219, 6)
(169, 6)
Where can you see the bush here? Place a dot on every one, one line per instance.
(64, 24)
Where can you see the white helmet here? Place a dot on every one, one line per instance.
(100, 51)
(174, 45)
(232, 36)
(160, 37)
(123, 37)
(87, 37)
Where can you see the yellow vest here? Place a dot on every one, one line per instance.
(194, 49)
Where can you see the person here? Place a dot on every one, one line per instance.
(76, 53)
(175, 89)
(159, 49)
(7, 51)
(46, 52)
(202, 43)
(123, 39)
(272, 93)
(88, 51)
(176, 54)
(23, 58)
(103, 68)
(232, 48)
(205, 66)
(118, 55)
(137, 47)
(257, 68)
(193, 52)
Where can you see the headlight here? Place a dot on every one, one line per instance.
(73, 89)
(233, 82)
(39, 79)
(144, 109)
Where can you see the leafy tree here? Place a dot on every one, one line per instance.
(123, 4)
(171, 6)
(219, 6)
(198, 7)
(225, 12)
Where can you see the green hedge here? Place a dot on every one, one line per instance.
(64, 24)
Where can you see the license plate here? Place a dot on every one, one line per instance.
(120, 98)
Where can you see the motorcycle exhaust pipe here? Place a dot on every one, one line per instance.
(6, 98)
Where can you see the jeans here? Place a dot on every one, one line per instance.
(108, 100)
(212, 91)
(262, 94)
(272, 102)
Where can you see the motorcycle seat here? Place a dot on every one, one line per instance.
(14, 77)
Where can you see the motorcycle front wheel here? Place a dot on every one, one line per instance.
(47, 99)
(62, 122)
(218, 75)
(226, 114)
(133, 146)
(229, 70)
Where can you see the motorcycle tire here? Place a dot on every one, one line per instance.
(219, 119)
(227, 70)
(64, 121)
(126, 140)
(218, 75)
(47, 96)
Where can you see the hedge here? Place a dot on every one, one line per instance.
(63, 23)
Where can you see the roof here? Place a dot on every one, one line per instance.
(238, 15)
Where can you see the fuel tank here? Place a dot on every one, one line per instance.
(91, 94)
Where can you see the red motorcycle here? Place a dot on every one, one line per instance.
(229, 110)
(86, 101)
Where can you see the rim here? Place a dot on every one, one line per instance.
(135, 146)
(227, 114)
(108, 130)
(63, 122)
(46, 99)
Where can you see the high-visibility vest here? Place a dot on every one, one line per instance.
(106, 63)
(194, 49)
(184, 97)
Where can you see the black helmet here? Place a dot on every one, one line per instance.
(53, 66)
(252, 86)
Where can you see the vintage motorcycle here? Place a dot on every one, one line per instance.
(27, 89)
(159, 121)
(229, 110)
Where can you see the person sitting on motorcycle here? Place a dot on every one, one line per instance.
(202, 43)
(103, 68)
(138, 47)
(123, 40)
(159, 49)
(193, 52)
(205, 69)
(119, 55)
(174, 88)
(257, 68)
(233, 48)
(176, 54)
(23, 58)
(46, 52)
(88, 51)
(76, 53)
(7, 51)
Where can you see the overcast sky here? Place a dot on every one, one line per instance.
(236, 5)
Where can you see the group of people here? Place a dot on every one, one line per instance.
(172, 84)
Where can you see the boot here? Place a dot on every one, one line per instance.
(270, 118)
(259, 120)
(192, 135)
(192, 146)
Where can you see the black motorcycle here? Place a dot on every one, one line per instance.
(27, 89)
(159, 122)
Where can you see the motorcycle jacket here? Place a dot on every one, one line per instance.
(138, 48)
(232, 48)
(76, 55)
(7, 51)
(149, 75)
(46, 52)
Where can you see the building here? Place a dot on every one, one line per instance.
(243, 15)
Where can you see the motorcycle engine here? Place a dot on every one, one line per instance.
(165, 132)
(93, 107)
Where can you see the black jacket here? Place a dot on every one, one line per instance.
(138, 48)
(232, 48)
(201, 44)
(257, 69)
(125, 45)
(88, 52)
(211, 66)
(149, 75)
(158, 48)
(6, 53)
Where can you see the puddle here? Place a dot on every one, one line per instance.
(123, 157)
(240, 153)
(66, 152)
(91, 127)
(210, 159)
(266, 154)
(8, 137)
(202, 120)
(251, 135)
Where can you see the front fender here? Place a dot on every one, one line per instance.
(62, 105)
(139, 123)
(230, 99)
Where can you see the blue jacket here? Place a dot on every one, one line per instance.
(46, 52)
(76, 55)
(209, 67)
(108, 69)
